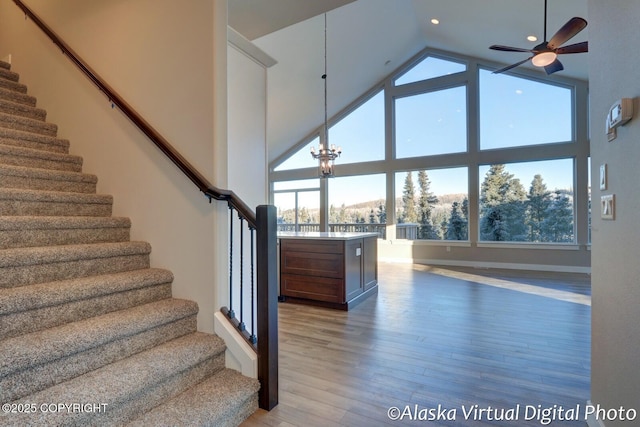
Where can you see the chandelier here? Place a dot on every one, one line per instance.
(326, 154)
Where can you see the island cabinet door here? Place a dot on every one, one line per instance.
(312, 269)
(312, 258)
(353, 252)
(370, 263)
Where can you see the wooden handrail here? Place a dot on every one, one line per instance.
(183, 164)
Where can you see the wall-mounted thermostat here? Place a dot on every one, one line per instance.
(620, 113)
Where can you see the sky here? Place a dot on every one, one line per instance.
(435, 123)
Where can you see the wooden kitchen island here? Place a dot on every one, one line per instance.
(335, 270)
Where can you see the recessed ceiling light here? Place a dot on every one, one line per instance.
(435, 21)
(532, 38)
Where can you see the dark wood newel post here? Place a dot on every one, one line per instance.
(267, 306)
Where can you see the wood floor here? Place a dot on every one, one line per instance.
(439, 339)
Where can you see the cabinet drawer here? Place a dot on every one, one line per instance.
(314, 288)
(317, 246)
(311, 264)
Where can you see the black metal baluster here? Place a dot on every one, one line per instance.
(231, 313)
(241, 325)
(253, 337)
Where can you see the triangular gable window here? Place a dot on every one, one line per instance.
(430, 68)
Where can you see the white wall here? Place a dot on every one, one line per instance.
(247, 120)
(613, 60)
(159, 56)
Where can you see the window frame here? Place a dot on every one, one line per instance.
(577, 148)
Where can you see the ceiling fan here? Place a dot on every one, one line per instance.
(545, 54)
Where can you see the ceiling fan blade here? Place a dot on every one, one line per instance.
(508, 48)
(502, 70)
(553, 67)
(573, 48)
(568, 30)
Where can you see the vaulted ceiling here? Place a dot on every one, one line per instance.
(368, 39)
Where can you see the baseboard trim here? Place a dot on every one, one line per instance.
(239, 355)
(499, 265)
(592, 421)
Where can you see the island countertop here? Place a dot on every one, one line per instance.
(323, 235)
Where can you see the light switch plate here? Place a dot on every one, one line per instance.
(603, 176)
(608, 206)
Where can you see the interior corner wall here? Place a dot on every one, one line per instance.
(613, 74)
(247, 124)
(159, 56)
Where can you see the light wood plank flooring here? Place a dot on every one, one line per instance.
(439, 336)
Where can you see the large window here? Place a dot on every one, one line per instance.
(433, 204)
(513, 138)
(527, 202)
(431, 123)
(361, 133)
(298, 205)
(429, 68)
(515, 112)
(357, 203)
(301, 159)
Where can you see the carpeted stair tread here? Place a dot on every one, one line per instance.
(130, 386)
(30, 231)
(19, 109)
(26, 124)
(28, 266)
(5, 65)
(52, 254)
(32, 308)
(33, 140)
(53, 196)
(14, 86)
(46, 179)
(53, 203)
(20, 156)
(41, 347)
(39, 376)
(23, 298)
(224, 400)
(7, 74)
(17, 97)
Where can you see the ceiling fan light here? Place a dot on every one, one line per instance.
(543, 59)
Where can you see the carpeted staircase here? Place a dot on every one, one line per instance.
(84, 320)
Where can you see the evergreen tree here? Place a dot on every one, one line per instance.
(426, 201)
(342, 215)
(558, 223)
(382, 214)
(502, 206)
(537, 206)
(442, 218)
(372, 217)
(465, 208)
(457, 224)
(409, 213)
(333, 215)
(465, 215)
